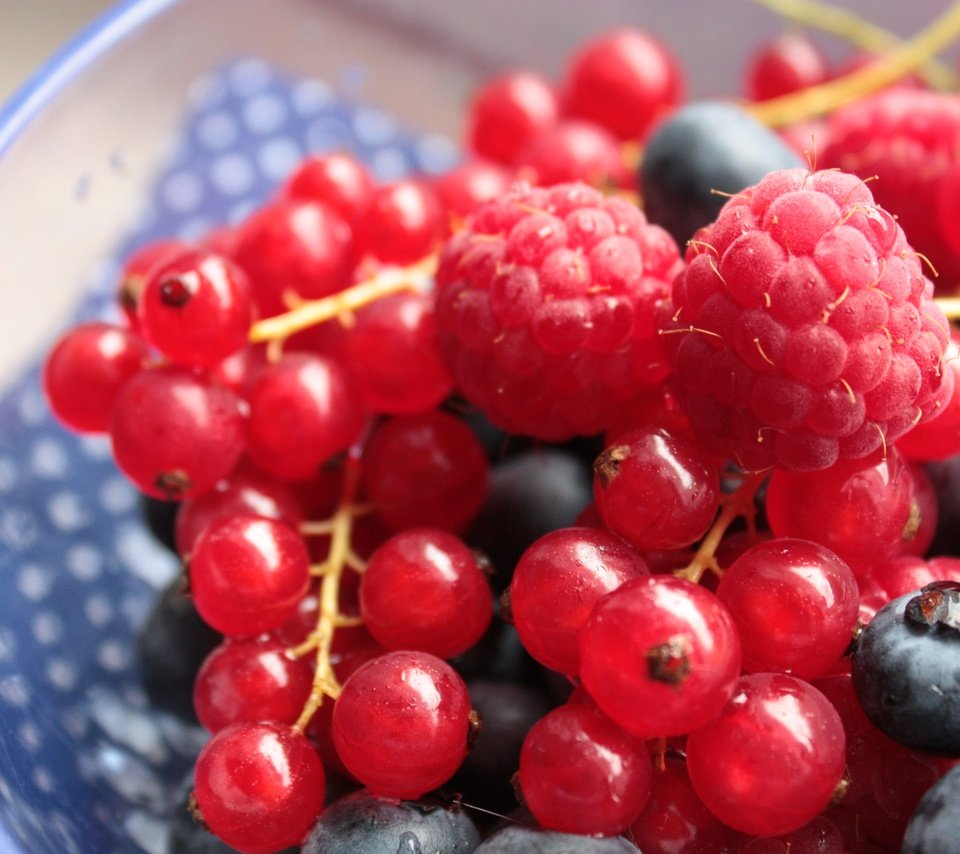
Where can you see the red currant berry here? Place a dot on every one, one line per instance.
(575, 150)
(259, 786)
(465, 186)
(402, 723)
(136, 268)
(337, 179)
(196, 308)
(86, 369)
(772, 759)
(401, 223)
(785, 64)
(660, 656)
(581, 773)
(423, 589)
(248, 574)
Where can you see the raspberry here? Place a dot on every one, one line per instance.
(546, 306)
(907, 138)
(806, 328)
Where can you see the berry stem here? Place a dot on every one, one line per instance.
(312, 312)
(329, 618)
(736, 504)
(817, 100)
(861, 33)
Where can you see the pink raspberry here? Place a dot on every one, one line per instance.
(546, 305)
(907, 139)
(803, 329)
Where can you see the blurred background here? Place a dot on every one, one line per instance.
(32, 30)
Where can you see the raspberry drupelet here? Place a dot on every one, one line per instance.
(803, 329)
(546, 306)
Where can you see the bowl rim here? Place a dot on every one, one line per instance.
(97, 38)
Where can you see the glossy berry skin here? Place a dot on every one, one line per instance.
(196, 308)
(135, 270)
(785, 64)
(336, 179)
(423, 589)
(933, 826)
(574, 150)
(508, 112)
(85, 370)
(905, 676)
(361, 822)
(771, 760)
(248, 574)
(555, 585)
(623, 80)
(660, 656)
(699, 149)
(401, 222)
(655, 489)
(251, 679)
(401, 724)
(300, 246)
(176, 433)
(581, 773)
(795, 604)
(859, 509)
(259, 786)
(463, 187)
(426, 470)
(674, 820)
(302, 412)
(519, 839)
(394, 358)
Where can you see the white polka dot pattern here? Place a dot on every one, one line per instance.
(89, 766)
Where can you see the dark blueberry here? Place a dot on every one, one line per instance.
(531, 494)
(498, 655)
(945, 477)
(170, 648)
(362, 823)
(530, 840)
(507, 711)
(699, 152)
(161, 519)
(906, 673)
(934, 827)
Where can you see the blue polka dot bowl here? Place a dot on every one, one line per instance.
(164, 119)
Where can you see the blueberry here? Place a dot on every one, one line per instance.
(361, 822)
(906, 673)
(161, 519)
(934, 827)
(703, 149)
(531, 840)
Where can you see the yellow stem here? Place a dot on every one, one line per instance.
(818, 100)
(738, 503)
(341, 304)
(861, 33)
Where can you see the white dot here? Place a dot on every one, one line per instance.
(18, 528)
(389, 164)
(8, 474)
(95, 447)
(249, 76)
(264, 114)
(74, 723)
(48, 459)
(437, 154)
(34, 582)
(68, 512)
(84, 562)
(14, 692)
(311, 96)
(31, 406)
(8, 644)
(62, 674)
(47, 628)
(98, 610)
(29, 736)
(278, 157)
(232, 174)
(328, 134)
(113, 655)
(117, 495)
(194, 229)
(182, 192)
(44, 779)
(143, 556)
(373, 126)
(218, 131)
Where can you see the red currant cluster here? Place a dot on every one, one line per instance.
(308, 383)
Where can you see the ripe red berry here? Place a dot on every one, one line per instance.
(401, 723)
(575, 150)
(623, 80)
(785, 64)
(85, 371)
(401, 223)
(336, 179)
